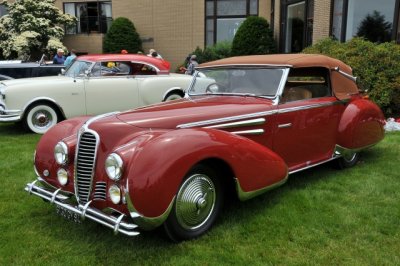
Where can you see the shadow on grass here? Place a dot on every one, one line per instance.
(12, 129)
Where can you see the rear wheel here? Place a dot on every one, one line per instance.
(197, 204)
(40, 118)
(348, 160)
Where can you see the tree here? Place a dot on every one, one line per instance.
(32, 28)
(374, 28)
(253, 37)
(122, 35)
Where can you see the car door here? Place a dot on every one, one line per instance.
(110, 87)
(307, 119)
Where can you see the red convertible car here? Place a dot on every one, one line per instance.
(245, 124)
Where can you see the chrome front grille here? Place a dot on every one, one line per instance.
(84, 165)
(100, 192)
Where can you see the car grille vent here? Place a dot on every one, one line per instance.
(100, 191)
(85, 162)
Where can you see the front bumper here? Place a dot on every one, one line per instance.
(55, 196)
(9, 115)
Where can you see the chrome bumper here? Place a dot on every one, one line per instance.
(9, 115)
(84, 211)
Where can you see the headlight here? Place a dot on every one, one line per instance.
(62, 176)
(61, 153)
(114, 166)
(115, 194)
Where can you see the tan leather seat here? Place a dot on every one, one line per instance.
(295, 94)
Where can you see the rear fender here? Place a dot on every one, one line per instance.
(361, 125)
(159, 165)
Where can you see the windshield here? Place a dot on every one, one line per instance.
(237, 81)
(78, 68)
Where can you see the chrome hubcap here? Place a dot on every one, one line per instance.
(195, 201)
(41, 119)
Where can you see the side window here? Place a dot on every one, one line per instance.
(306, 83)
(143, 69)
(114, 68)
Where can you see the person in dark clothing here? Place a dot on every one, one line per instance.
(59, 58)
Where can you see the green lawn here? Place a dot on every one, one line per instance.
(321, 216)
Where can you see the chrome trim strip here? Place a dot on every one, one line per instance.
(285, 125)
(84, 211)
(243, 195)
(249, 132)
(86, 125)
(313, 165)
(146, 223)
(350, 77)
(225, 119)
(244, 65)
(252, 122)
(205, 123)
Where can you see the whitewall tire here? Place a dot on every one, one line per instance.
(40, 118)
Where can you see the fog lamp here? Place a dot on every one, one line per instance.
(115, 194)
(62, 176)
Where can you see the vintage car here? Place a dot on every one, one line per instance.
(245, 124)
(28, 70)
(93, 84)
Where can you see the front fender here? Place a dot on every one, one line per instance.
(160, 164)
(361, 125)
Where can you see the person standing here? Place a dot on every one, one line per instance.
(59, 58)
(70, 58)
(192, 65)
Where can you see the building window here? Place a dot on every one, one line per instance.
(370, 19)
(223, 18)
(3, 10)
(297, 25)
(93, 17)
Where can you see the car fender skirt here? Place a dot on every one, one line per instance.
(361, 125)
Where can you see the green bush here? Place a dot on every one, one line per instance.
(122, 35)
(253, 37)
(377, 67)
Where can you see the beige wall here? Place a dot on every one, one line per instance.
(322, 11)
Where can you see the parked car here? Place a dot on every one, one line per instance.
(245, 124)
(16, 70)
(93, 84)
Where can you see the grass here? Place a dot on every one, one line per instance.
(321, 216)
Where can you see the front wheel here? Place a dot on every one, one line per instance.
(197, 204)
(39, 118)
(348, 160)
(172, 96)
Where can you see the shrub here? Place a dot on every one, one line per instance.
(376, 65)
(122, 35)
(253, 37)
(210, 53)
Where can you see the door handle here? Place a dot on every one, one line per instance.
(285, 125)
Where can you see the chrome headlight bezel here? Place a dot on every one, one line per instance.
(114, 166)
(61, 153)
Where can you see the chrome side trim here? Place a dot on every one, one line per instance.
(285, 125)
(225, 119)
(210, 123)
(243, 195)
(313, 165)
(249, 132)
(245, 123)
(146, 223)
(306, 107)
(84, 211)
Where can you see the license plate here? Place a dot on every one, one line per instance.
(68, 214)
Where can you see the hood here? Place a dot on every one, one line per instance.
(171, 114)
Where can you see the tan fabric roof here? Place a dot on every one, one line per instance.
(293, 60)
(342, 86)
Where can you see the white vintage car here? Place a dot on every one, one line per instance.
(93, 84)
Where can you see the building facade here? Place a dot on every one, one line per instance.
(175, 28)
